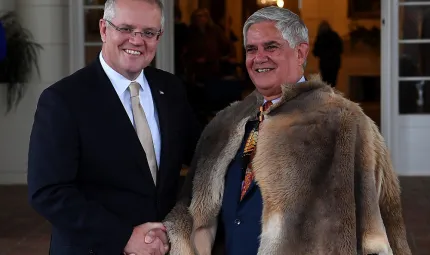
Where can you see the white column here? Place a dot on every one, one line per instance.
(387, 101)
(164, 58)
(48, 22)
(76, 35)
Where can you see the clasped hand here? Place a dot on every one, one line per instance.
(148, 239)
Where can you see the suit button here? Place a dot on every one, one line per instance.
(237, 222)
(91, 252)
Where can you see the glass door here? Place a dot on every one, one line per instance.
(406, 67)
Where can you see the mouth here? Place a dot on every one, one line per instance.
(132, 52)
(263, 70)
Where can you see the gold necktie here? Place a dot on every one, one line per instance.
(142, 129)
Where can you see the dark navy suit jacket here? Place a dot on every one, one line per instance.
(240, 220)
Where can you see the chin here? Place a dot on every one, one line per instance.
(133, 67)
(264, 84)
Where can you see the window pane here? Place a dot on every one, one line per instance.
(414, 22)
(91, 52)
(95, 2)
(92, 17)
(414, 60)
(414, 97)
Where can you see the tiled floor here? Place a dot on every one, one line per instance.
(23, 232)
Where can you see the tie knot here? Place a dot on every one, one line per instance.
(134, 89)
(264, 108)
(266, 105)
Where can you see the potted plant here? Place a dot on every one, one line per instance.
(20, 59)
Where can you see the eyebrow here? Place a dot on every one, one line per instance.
(271, 43)
(125, 25)
(265, 44)
(131, 26)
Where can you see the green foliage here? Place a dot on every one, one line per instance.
(21, 57)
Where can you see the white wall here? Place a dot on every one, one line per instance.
(7, 5)
(48, 21)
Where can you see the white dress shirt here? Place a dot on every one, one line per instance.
(274, 101)
(120, 83)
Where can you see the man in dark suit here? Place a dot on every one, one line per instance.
(108, 142)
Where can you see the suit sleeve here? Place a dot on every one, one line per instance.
(53, 163)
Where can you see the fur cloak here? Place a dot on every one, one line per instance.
(325, 175)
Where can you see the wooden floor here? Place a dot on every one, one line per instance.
(23, 232)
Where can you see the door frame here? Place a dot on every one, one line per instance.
(389, 77)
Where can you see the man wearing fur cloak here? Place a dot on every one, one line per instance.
(295, 168)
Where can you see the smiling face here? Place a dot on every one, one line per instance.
(125, 52)
(270, 61)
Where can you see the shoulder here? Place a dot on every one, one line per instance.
(73, 89)
(76, 81)
(327, 105)
(159, 74)
(166, 80)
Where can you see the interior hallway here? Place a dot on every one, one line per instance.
(23, 232)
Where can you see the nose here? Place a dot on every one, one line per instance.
(136, 39)
(260, 57)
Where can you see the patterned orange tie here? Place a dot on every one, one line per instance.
(249, 150)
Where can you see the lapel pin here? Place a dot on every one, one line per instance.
(161, 92)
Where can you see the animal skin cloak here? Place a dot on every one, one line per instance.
(325, 175)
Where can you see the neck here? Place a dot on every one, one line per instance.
(274, 93)
(131, 76)
(270, 98)
(270, 94)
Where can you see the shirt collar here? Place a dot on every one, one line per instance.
(274, 101)
(119, 82)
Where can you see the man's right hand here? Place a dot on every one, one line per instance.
(148, 238)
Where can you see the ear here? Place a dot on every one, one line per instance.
(161, 34)
(102, 27)
(302, 53)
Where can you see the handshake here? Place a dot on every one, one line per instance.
(148, 239)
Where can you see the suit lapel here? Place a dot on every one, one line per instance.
(161, 103)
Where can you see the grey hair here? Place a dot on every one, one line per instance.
(292, 28)
(109, 10)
